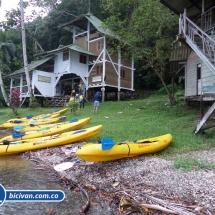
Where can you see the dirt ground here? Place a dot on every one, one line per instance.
(140, 185)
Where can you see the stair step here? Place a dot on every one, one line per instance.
(58, 101)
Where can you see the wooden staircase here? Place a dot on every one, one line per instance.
(58, 101)
(202, 43)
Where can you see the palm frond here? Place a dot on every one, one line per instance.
(8, 49)
(11, 48)
(6, 54)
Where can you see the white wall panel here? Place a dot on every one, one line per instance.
(44, 81)
(60, 65)
(76, 67)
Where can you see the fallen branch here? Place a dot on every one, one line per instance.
(156, 207)
(182, 210)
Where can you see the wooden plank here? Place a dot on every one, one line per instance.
(205, 118)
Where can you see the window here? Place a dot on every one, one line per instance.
(122, 73)
(99, 69)
(100, 44)
(83, 59)
(65, 55)
(198, 71)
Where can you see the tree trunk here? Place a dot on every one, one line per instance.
(3, 90)
(2, 85)
(24, 51)
(171, 98)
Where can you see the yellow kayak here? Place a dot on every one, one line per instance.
(46, 131)
(109, 150)
(33, 122)
(32, 127)
(53, 114)
(49, 141)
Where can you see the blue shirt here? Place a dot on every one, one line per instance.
(96, 97)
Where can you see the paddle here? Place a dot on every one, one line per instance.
(16, 121)
(62, 118)
(18, 135)
(17, 128)
(107, 143)
(29, 116)
(74, 120)
(20, 127)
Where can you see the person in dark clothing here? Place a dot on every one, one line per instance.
(96, 102)
(81, 101)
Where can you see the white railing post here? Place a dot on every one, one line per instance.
(180, 24)
(185, 16)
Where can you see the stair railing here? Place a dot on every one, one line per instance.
(207, 20)
(202, 41)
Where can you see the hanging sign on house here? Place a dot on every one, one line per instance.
(44, 78)
(96, 78)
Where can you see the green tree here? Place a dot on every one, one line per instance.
(149, 29)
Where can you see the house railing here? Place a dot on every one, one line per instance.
(22, 89)
(208, 25)
(198, 40)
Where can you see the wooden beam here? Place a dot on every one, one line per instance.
(196, 5)
(204, 119)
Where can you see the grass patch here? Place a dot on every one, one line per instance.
(138, 119)
(186, 164)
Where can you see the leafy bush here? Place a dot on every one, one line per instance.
(45, 103)
(33, 103)
(73, 105)
(179, 91)
(15, 100)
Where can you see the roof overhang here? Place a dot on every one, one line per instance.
(31, 66)
(194, 7)
(82, 23)
(65, 48)
(77, 48)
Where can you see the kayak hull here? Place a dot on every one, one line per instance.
(46, 131)
(54, 114)
(34, 122)
(50, 141)
(94, 152)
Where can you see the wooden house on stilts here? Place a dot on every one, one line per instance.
(86, 63)
(197, 30)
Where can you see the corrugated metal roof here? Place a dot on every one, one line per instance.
(63, 48)
(81, 22)
(31, 66)
(98, 24)
(194, 7)
(80, 49)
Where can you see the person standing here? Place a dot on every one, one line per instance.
(81, 101)
(96, 102)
